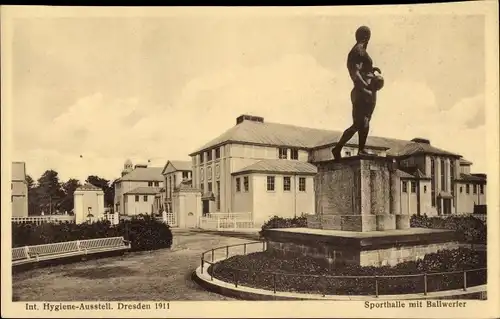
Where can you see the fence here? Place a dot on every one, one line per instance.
(28, 254)
(44, 219)
(226, 221)
(169, 218)
(325, 284)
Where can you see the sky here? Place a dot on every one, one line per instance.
(112, 88)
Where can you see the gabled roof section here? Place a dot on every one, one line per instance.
(472, 178)
(277, 134)
(144, 174)
(177, 166)
(415, 148)
(144, 191)
(280, 166)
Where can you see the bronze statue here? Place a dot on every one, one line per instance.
(364, 94)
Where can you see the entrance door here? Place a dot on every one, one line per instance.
(206, 207)
(446, 206)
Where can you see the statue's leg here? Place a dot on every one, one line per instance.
(349, 132)
(365, 127)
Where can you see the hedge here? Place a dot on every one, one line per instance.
(144, 232)
(308, 275)
(472, 229)
(280, 222)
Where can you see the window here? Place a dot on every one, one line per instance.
(209, 186)
(270, 183)
(217, 197)
(405, 187)
(474, 189)
(302, 184)
(202, 174)
(452, 178)
(145, 198)
(283, 153)
(425, 188)
(217, 153)
(202, 187)
(238, 185)
(347, 153)
(287, 183)
(433, 182)
(295, 154)
(481, 188)
(461, 189)
(245, 183)
(443, 176)
(202, 157)
(150, 184)
(413, 186)
(136, 198)
(185, 175)
(467, 189)
(209, 156)
(157, 184)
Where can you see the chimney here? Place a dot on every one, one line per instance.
(140, 166)
(421, 140)
(246, 117)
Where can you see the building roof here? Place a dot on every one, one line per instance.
(277, 134)
(403, 174)
(88, 187)
(144, 174)
(178, 166)
(144, 191)
(412, 173)
(472, 178)
(414, 148)
(463, 161)
(280, 166)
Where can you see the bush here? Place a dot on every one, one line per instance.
(308, 275)
(280, 222)
(144, 232)
(472, 229)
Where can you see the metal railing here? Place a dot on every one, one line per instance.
(26, 254)
(422, 282)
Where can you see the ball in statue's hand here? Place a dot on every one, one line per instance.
(377, 82)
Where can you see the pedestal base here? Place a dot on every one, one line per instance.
(376, 248)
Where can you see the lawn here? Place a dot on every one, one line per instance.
(159, 275)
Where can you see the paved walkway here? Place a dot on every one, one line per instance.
(159, 275)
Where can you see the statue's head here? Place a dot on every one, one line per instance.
(363, 34)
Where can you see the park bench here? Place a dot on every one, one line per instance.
(28, 254)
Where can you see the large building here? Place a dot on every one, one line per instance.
(267, 169)
(138, 190)
(174, 173)
(19, 190)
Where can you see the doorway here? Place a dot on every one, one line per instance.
(446, 206)
(206, 207)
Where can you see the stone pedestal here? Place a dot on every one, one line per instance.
(358, 194)
(358, 218)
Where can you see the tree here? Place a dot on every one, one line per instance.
(104, 184)
(49, 191)
(69, 188)
(33, 204)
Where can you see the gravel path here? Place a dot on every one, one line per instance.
(159, 275)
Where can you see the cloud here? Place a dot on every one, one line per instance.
(293, 89)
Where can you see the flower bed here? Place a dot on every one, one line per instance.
(266, 270)
(472, 229)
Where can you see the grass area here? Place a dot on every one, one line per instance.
(163, 274)
(268, 270)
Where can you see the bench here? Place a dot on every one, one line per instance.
(28, 254)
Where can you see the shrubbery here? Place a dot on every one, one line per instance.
(255, 270)
(472, 229)
(144, 232)
(280, 222)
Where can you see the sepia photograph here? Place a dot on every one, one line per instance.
(188, 162)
